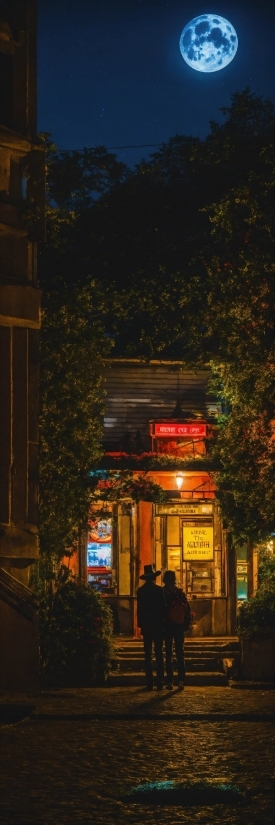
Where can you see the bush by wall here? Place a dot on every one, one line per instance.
(75, 636)
(257, 614)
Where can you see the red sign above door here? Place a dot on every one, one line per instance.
(167, 430)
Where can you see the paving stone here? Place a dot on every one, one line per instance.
(66, 771)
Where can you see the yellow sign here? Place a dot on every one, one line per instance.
(197, 543)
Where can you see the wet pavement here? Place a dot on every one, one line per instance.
(79, 754)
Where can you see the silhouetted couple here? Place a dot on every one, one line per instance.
(155, 606)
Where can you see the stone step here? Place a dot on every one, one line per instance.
(201, 640)
(215, 640)
(128, 665)
(194, 654)
(199, 679)
(192, 666)
(199, 649)
(203, 659)
(197, 654)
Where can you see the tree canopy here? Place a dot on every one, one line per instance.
(177, 257)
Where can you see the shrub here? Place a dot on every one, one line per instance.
(257, 614)
(75, 636)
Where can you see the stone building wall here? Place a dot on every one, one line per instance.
(22, 213)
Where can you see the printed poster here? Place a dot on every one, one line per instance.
(197, 543)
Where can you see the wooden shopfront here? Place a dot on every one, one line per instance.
(185, 532)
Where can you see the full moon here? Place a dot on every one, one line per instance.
(208, 43)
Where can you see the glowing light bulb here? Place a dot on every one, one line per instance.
(179, 480)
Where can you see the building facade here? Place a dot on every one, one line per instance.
(159, 420)
(22, 212)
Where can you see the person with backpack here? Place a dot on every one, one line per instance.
(178, 620)
(151, 616)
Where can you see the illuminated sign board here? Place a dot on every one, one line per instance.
(168, 430)
(197, 543)
(99, 544)
(183, 508)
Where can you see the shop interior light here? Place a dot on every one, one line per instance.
(179, 480)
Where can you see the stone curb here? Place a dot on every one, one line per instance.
(134, 717)
(242, 685)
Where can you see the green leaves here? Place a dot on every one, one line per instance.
(122, 483)
(76, 178)
(239, 324)
(246, 454)
(257, 614)
(75, 636)
(73, 346)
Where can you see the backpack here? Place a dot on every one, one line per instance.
(179, 611)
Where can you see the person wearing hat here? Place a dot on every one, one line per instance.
(178, 615)
(150, 616)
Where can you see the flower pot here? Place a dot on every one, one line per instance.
(258, 658)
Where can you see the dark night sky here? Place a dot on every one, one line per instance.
(110, 71)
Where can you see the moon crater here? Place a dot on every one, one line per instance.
(208, 43)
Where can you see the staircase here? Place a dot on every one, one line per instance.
(208, 661)
(19, 651)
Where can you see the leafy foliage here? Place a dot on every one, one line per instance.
(77, 178)
(239, 329)
(147, 240)
(257, 614)
(266, 569)
(75, 636)
(239, 315)
(153, 461)
(245, 451)
(72, 398)
(124, 484)
(178, 288)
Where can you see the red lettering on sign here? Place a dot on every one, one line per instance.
(179, 430)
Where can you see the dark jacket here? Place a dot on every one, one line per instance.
(150, 607)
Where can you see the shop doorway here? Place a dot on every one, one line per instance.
(192, 548)
(189, 551)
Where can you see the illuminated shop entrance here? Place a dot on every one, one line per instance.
(189, 540)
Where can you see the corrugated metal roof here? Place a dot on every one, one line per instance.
(139, 392)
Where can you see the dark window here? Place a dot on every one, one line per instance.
(6, 89)
(24, 187)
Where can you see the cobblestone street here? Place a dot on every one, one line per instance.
(74, 759)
